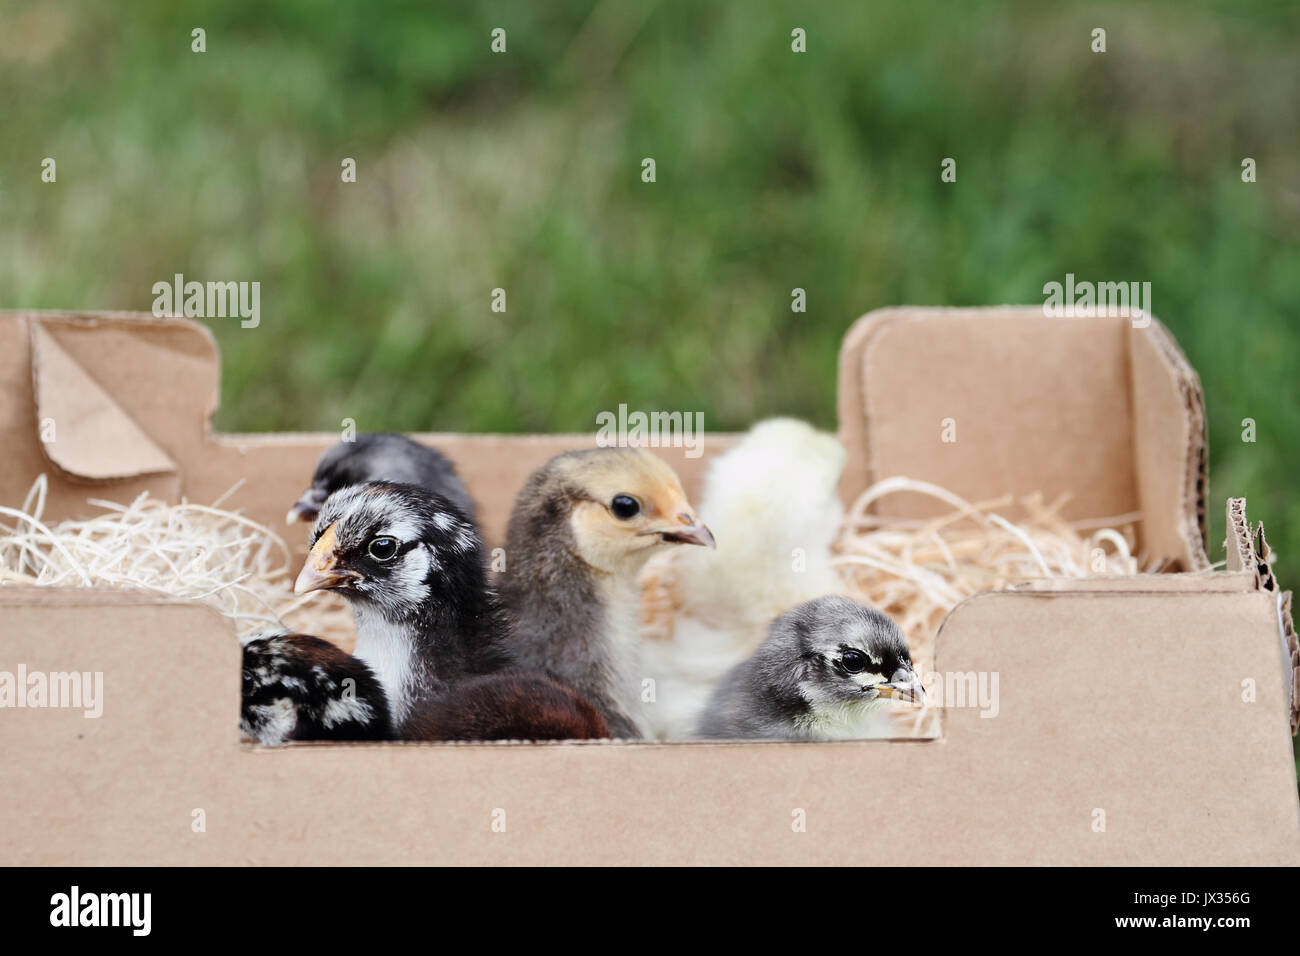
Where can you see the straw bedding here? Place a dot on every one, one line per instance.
(916, 570)
(197, 552)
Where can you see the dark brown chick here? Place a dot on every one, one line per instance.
(510, 706)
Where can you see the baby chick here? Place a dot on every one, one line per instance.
(381, 456)
(583, 526)
(825, 667)
(411, 566)
(297, 687)
(774, 503)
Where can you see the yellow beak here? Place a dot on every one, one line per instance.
(912, 691)
(321, 572)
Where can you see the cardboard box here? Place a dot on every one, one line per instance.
(1121, 698)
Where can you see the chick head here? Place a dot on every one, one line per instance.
(840, 652)
(392, 546)
(622, 506)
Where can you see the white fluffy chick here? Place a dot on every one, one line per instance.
(774, 509)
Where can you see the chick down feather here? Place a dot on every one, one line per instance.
(773, 505)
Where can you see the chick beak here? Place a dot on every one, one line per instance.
(306, 508)
(903, 686)
(689, 532)
(321, 571)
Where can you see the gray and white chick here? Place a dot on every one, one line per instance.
(381, 456)
(825, 667)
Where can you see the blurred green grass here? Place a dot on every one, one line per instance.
(775, 170)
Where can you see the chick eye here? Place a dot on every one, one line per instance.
(624, 507)
(382, 549)
(854, 661)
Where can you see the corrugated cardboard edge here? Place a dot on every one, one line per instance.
(1154, 583)
(1286, 623)
(1248, 552)
(1192, 527)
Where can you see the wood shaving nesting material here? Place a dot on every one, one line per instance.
(915, 570)
(918, 570)
(191, 551)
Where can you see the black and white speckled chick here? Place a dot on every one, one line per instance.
(431, 658)
(583, 526)
(297, 687)
(825, 667)
(382, 456)
(411, 565)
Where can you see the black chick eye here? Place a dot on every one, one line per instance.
(624, 507)
(383, 549)
(854, 661)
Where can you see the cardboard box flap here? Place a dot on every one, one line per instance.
(83, 431)
(991, 401)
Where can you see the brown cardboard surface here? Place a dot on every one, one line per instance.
(1152, 732)
(1025, 392)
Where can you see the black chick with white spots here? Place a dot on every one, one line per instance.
(825, 667)
(430, 631)
(298, 687)
(381, 456)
